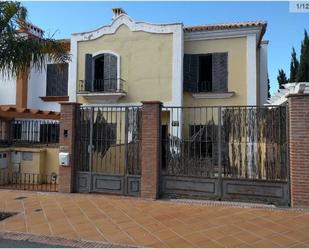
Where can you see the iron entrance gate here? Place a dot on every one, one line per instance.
(108, 150)
(225, 153)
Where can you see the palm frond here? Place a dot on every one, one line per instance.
(22, 52)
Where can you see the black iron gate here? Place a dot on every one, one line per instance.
(108, 150)
(226, 153)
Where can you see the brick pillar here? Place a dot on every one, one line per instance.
(299, 149)
(66, 144)
(150, 143)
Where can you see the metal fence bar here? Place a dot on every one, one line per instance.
(219, 154)
(114, 135)
(29, 132)
(28, 181)
(245, 142)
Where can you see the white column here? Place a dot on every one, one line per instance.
(263, 73)
(72, 80)
(251, 70)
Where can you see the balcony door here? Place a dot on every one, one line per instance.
(98, 84)
(105, 73)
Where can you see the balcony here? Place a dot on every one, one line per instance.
(101, 90)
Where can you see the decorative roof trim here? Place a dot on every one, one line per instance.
(175, 29)
(124, 19)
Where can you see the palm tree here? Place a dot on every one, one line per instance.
(19, 53)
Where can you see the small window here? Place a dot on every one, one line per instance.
(57, 80)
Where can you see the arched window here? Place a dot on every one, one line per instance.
(101, 72)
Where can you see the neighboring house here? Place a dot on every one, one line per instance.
(280, 97)
(42, 90)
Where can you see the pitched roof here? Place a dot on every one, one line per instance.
(228, 25)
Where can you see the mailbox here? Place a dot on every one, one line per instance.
(64, 158)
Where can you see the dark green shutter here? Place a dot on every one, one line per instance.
(88, 72)
(190, 72)
(57, 79)
(220, 72)
(110, 71)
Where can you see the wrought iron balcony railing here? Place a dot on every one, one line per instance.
(101, 85)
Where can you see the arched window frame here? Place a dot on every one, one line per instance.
(101, 53)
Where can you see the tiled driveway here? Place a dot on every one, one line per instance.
(131, 221)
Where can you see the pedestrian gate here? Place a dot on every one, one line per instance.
(108, 150)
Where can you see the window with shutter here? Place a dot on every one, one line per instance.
(205, 72)
(57, 80)
(104, 74)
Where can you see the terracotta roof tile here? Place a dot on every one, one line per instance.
(12, 111)
(229, 25)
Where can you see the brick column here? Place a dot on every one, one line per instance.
(66, 144)
(299, 149)
(150, 143)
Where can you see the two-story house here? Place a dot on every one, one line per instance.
(127, 62)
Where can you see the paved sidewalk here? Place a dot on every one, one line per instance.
(136, 222)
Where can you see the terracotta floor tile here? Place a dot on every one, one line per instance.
(299, 245)
(213, 234)
(264, 243)
(178, 242)
(158, 245)
(195, 237)
(246, 237)
(207, 243)
(282, 240)
(300, 236)
(165, 234)
(155, 227)
(146, 240)
(125, 225)
(40, 229)
(131, 221)
(230, 241)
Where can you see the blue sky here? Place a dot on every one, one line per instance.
(284, 29)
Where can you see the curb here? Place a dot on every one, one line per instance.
(52, 240)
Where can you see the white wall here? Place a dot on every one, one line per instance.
(263, 73)
(37, 89)
(7, 91)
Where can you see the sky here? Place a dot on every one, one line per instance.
(284, 30)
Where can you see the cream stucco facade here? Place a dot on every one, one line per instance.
(150, 62)
(145, 62)
(237, 69)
